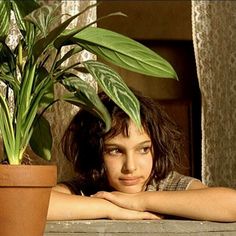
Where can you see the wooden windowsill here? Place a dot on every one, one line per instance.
(139, 227)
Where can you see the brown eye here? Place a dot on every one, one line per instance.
(145, 150)
(113, 151)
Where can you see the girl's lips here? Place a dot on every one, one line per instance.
(130, 181)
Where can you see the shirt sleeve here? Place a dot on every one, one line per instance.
(173, 182)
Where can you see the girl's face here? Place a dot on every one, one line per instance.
(128, 160)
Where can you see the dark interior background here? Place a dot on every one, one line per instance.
(165, 27)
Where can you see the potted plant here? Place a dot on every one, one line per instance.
(30, 78)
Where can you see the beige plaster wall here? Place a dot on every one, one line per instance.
(158, 19)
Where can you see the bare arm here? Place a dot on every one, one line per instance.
(199, 202)
(66, 206)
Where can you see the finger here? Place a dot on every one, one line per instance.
(108, 196)
(99, 194)
(150, 216)
(116, 198)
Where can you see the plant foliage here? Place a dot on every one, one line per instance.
(24, 72)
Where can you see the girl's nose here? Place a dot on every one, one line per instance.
(129, 164)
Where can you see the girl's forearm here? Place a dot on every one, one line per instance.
(215, 204)
(64, 206)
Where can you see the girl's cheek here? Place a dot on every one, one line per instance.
(111, 164)
(147, 163)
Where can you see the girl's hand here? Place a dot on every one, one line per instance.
(132, 201)
(130, 205)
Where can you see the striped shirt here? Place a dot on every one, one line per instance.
(173, 182)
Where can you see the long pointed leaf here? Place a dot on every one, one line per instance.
(5, 9)
(82, 101)
(43, 43)
(69, 54)
(115, 88)
(41, 139)
(60, 41)
(29, 119)
(5, 110)
(41, 77)
(14, 84)
(25, 8)
(7, 57)
(64, 39)
(8, 68)
(86, 97)
(43, 17)
(23, 105)
(21, 9)
(7, 128)
(4, 132)
(26, 87)
(124, 52)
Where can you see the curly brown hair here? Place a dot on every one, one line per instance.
(83, 141)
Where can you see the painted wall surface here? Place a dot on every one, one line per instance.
(163, 19)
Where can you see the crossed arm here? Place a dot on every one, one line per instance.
(199, 202)
(66, 206)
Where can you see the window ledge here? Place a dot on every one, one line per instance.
(139, 227)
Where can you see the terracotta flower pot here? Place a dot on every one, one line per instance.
(24, 197)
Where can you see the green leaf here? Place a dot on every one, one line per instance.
(6, 56)
(113, 85)
(8, 68)
(124, 52)
(30, 114)
(66, 35)
(6, 128)
(85, 97)
(43, 17)
(21, 9)
(25, 7)
(65, 38)
(9, 80)
(26, 87)
(40, 75)
(5, 10)
(41, 139)
(69, 54)
(43, 43)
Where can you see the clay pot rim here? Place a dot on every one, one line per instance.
(28, 175)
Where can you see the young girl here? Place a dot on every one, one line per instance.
(128, 173)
